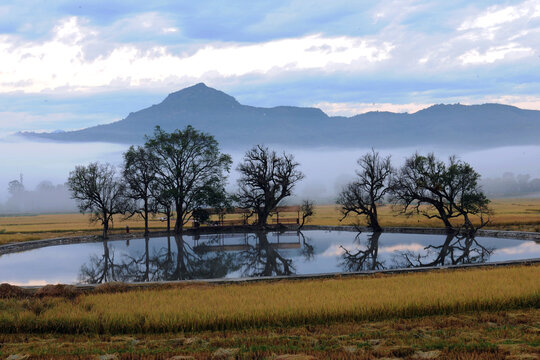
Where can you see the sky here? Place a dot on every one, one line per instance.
(72, 64)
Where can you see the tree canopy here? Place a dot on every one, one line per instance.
(266, 178)
(98, 190)
(189, 164)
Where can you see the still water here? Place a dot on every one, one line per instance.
(249, 255)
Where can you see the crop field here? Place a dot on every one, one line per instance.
(509, 214)
(199, 307)
(473, 313)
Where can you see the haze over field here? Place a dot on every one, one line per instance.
(305, 77)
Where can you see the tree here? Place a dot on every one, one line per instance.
(97, 189)
(140, 176)
(162, 202)
(15, 187)
(307, 209)
(428, 186)
(265, 180)
(189, 162)
(361, 196)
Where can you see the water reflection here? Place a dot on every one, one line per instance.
(181, 263)
(363, 259)
(286, 253)
(264, 259)
(211, 256)
(455, 250)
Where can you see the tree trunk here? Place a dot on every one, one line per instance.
(374, 222)
(178, 226)
(445, 220)
(105, 227)
(146, 218)
(262, 218)
(168, 220)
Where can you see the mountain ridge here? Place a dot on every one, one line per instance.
(235, 124)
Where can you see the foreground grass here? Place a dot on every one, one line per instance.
(200, 307)
(508, 334)
(509, 214)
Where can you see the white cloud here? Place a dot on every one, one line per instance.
(521, 101)
(169, 30)
(525, 248)
(402, 247)
(351, 108)
(11, 122)
(61, 63)
(495, 15)
(495, 53)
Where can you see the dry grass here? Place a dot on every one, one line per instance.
(509, 214)
(284, 303)
(513, 334)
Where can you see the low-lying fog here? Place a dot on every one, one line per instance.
(326, 169)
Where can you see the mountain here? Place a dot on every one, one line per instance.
(241, 126)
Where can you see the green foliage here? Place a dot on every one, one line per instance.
(189, 165)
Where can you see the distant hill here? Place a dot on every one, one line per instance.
(241, 126)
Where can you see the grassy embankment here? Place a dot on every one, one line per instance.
(323, 317)
(509, 214)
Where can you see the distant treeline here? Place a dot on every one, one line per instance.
(511, 185)
(45, 198)
(50, 198)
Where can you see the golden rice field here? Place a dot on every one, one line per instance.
(509, 214)
(200, 307)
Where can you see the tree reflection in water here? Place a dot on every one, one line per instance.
(263, 258)
(363, 259)
(456, 250)
(252, 255)
(100, 269)
(186, 262)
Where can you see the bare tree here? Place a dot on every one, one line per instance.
(265, 180)
(361, 196)
(307, 210)
(427, 186)
(97, 189)
(140, 176)
(189, 163)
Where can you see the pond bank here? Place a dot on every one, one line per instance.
(323, 273)
(34, 244)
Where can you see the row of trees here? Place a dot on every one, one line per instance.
(45, 197)
(185, 172)
(423, 185)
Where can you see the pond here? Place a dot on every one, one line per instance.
(251, 255)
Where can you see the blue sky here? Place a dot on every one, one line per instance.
(72, 64)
